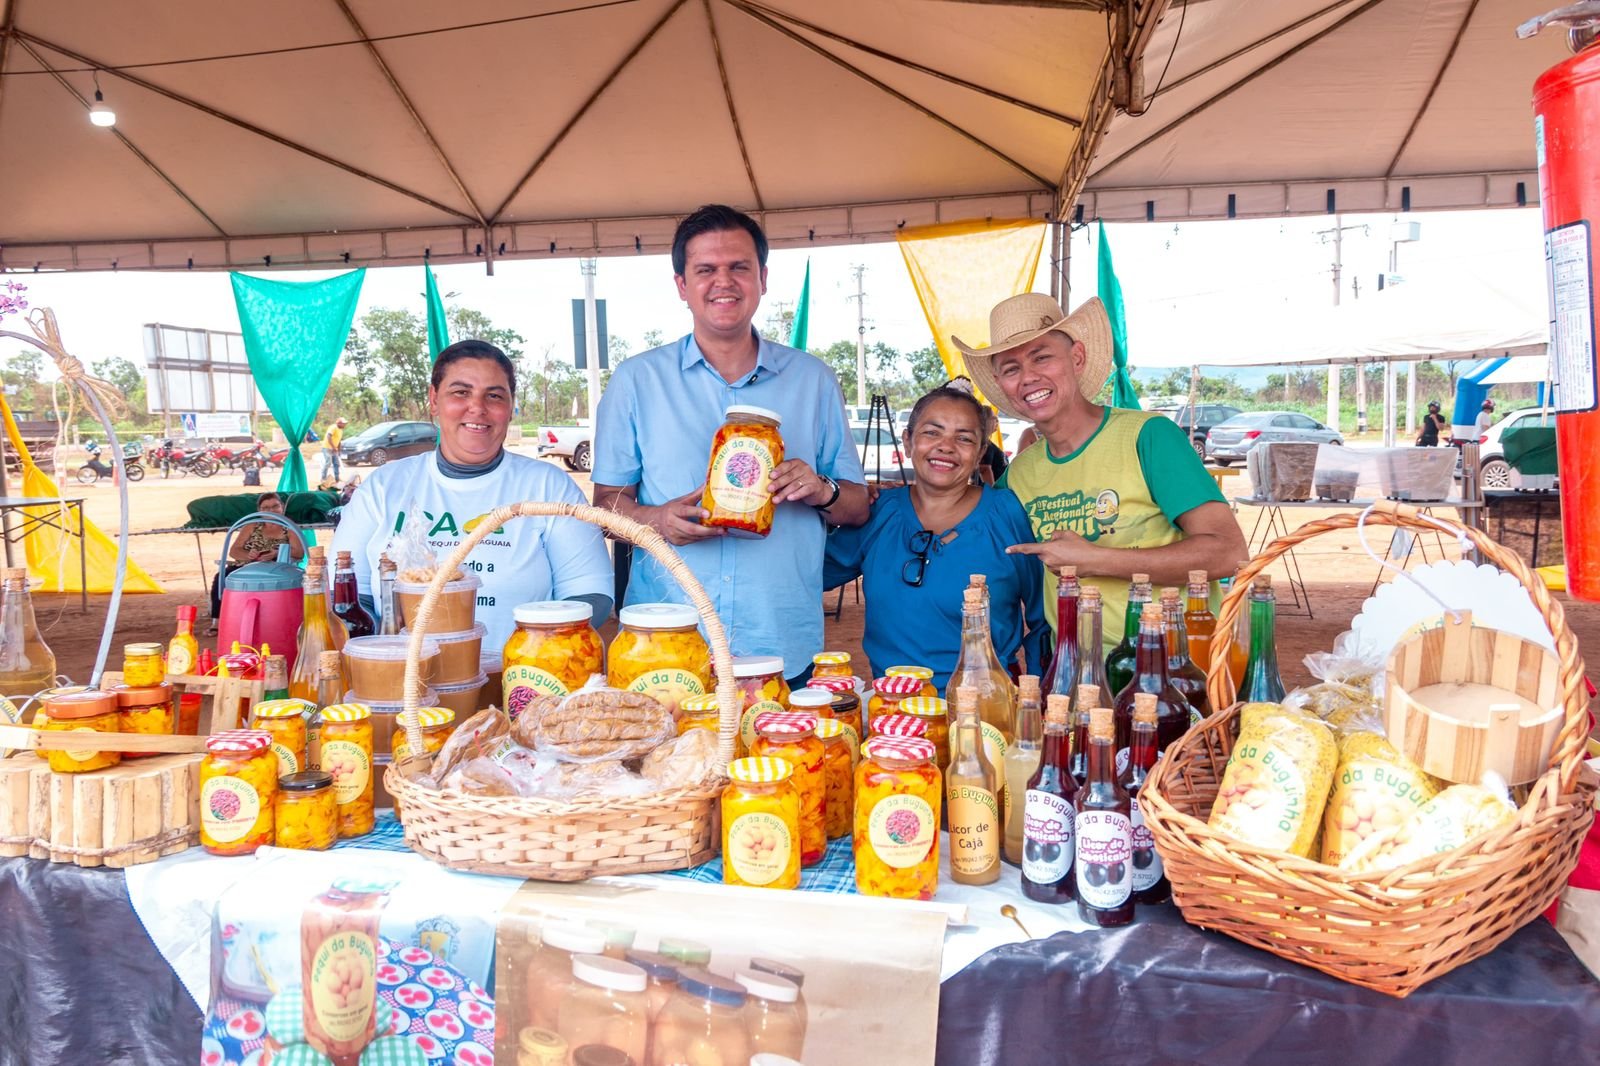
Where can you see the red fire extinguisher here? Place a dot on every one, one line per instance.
(1566, 105)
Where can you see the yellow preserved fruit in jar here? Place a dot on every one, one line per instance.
(436, 723)
(148, 710)
(887, 692)
(761, 824)
(791, 736)
(761, 689)
(831, 664)
(347, 755)
(658, 650)
(305, 815)
(838, 772)
(238, 787)
(80, 709)
(553, 651)
(921, 673)
(142, 666)
(936, 713)
(285, 722)
(700, 712)
(745, 451)
(896, 827)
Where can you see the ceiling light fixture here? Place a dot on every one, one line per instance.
(100, 114)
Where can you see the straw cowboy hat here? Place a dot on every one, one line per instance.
(1021, 319)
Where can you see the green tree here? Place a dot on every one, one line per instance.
(389, 349)
(652, 339)
(24, 368)
(927, 369)
(469, 324)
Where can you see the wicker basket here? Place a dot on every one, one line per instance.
(564, 841)
(1396, 930)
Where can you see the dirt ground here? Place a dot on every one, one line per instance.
(1338, 574)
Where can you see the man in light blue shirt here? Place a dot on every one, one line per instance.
(653, 438)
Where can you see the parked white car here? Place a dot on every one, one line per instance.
(1493, 470)
(571, 444)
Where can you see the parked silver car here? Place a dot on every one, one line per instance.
(1232, 440)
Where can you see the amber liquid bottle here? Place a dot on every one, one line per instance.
(972, 790)
(1091, 664)
(1186, 677)
(978, 668)
(315, 636)
(347, 599)
(27, 665)
(1172, 710)
(1062, 673)
(1103, 833)
(1049, 813)
(1150, 884)
(1022, 759)
(388, 606)
(1198, 620)
(1120, 662)
(1262, 682)
(1088, 699)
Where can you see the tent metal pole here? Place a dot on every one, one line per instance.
(1333, 397)
(1411, 399)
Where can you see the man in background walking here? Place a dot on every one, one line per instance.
(330, 451)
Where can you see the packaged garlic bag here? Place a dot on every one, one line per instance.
(1276, 783)
(1374, 789)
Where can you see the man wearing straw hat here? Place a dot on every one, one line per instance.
(1113, 492)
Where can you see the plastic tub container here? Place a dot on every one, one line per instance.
(465, 698)
(460, 654)
(385, 719)
(456, 610)
(377, 667)
(491, 665)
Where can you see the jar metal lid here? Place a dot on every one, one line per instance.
(290, 708)
(768, 986)
(84, 703)
(828, 729)
(760, 770)
(708, 986)
(782, 969)
(734, 410)
(341, 713)
(925, 707)
(921, 673)
(786, 722)
(897, 685)
(831, 658)
(909, 749)
(661, 967)
(603, 972)
(143, 695)
(137, 651)
(899, 725)
(691, 952)
(757, 665)
(238, 741)
(658, 616)
(552, 612)
(306, 781)
(833, 684)
(700, 705)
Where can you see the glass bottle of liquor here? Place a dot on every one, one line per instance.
(316, 636)
(1186, 676)
(275, 678)
(183, 650)
(1048, 814)
(1062, 673)
(329, 693)
(388, 605)
(347, 599)
(972, 798)
(1120, 662)
(1088, 698)
(1262, 682)
(1091, 663)
(1150, 884)
(1150, 675)
(978, 668)
(27, 665)
(1198, 620)
(1022, 759)
(1103, 833)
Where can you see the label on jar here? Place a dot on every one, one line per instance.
(349, 764)
(1047, 850)
(758, 847)
(344, 986)
(228, 808)
(179, 660)
(901, 830)
(852, 739)
(1104, 842)
(1146, 863)
(288, 761)
(81, 756)
(747, 723)
(740, 471)
(520, 685)
(974, 829)
(670, 686)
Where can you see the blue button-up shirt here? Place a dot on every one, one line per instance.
(654, 429)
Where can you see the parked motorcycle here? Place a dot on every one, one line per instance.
(240, 458)
(169, 457)
(94, 469)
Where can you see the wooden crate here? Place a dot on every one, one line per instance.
(134, 812)
(226, 701)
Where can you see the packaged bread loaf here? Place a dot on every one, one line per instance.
(479, 735)
(688, 759)
(1374, 789)
(1276, 783)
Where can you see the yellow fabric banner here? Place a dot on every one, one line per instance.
(53, 554)
(962, 269)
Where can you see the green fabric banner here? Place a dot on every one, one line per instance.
(1110, 293)
(438, 324)
(800, 331)
(294, 333)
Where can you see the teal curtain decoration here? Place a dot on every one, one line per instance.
(294, 333)
(800, 331)
(438, 324)
(1110, 293)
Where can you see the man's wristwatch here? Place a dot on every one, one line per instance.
(831, 500)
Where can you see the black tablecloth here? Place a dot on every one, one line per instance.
(83, 984)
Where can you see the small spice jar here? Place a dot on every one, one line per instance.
(146, 710)
(658, 650)
(83, 709)
(921, 673)
(142, 666)
(831, 664)
(436, 723)
(553, 651)
(238, 786)
(347, 755)
(605, 1004)
(896, 825)
(745, 451)
(936, 713)
(791, 736)
(838, 772)
(541, 1047)
(699, 712)
(761, 689)
(304, 813)
(887, 692)
(285, 722)
(761, 824)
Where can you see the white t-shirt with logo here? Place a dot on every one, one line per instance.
(527, 559)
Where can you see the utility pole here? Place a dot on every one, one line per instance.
(860, 298)
(1336, 232)
(591, 333)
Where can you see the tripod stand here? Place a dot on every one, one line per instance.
(881, 431)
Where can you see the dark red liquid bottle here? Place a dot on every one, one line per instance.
(1049, 815)
(1150, 675)
(1062, 673)
(1103, 834)
(1150, 884)
(347, 599)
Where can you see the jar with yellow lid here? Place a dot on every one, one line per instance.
(745, 451)
(238, 786)
(936, 713)
(699, 712)
(553, 651)
(887, 692)
(436, 723)
(142, 666)
(761, 824)
(831, 664)
(541, 1047)
(792, 736)
(347, 755)
(761, 689)
(285, 722)
(83, 709)
(658, 650)
(895, 832)
(305, 814)
(838, 773)
(921, 673)
(148, 710)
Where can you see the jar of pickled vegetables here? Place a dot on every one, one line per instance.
(831, 664)
(887, 692)
(347, 755)
(553, 651)
(896, 826)
(305, 815)
(761, 689)
(436, 723)
(658, 650)
(80, 709)
(936, 713)
(772, 1014)
(699, 712)
(792, 736)
(745, 451)
(285, 722)
(703, 1022)
(147, 710)
(142, 666)
(605, 1004)
(812, 701)
(838, 774)
(238, 787)
(897, 725)
(550, 968)
(921, 673)
(761, 825)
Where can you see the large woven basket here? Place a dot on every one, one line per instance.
(1396, 930)
(563, 841)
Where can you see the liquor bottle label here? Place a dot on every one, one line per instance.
(1047, 824)
(974, 829)
(1105, 853)
(1146, 863)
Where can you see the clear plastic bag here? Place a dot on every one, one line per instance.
(1453, 818)
(410, 550)
(602, 724)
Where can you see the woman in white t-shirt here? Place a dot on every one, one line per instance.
(472, 396)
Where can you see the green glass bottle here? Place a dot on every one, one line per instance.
(1120, 661)
(1262, 682)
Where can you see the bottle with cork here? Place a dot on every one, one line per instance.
(1062, 673)
(1103, 833)
(27, 665)
(1088, 698)
(1049, 812)
(347, 599)
(1120, 661)
(1150, 884)
(972, 791)
(1022, 759)
(978, 669)
(1091, 664)
(1150, 675)
(1198, 620)
(329, 693)
(1185, 674)
(1262, 682)
(388, 606)
(316, 636)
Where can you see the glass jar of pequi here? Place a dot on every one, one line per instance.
(553, 651)
(745, 451)
(761, 824)
(304, 813)
(346, 753)
(148, 709)
(658, 650)
(791, 736)
(238, 785)
(896, 825)
(75, 709)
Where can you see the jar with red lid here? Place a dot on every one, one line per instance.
(745, 451)
(923, 674)
(895, 831)
(887, 692)
(762, 688)
(935, 712)
(792, 736)
(898, 725)
(238, 785)
(146, 709)
(76, 709)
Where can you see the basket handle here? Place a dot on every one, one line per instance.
(1569, 742)
(728, 700)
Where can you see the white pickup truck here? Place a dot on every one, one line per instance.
(571, 444)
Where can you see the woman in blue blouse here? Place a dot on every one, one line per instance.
(922, 543)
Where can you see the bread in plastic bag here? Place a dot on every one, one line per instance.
(1276, 783)
(482, 734)
(602, 724)
(480, 776)
(1374, 789)
(1456, 816)
(596, 779)
(1350, 663)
